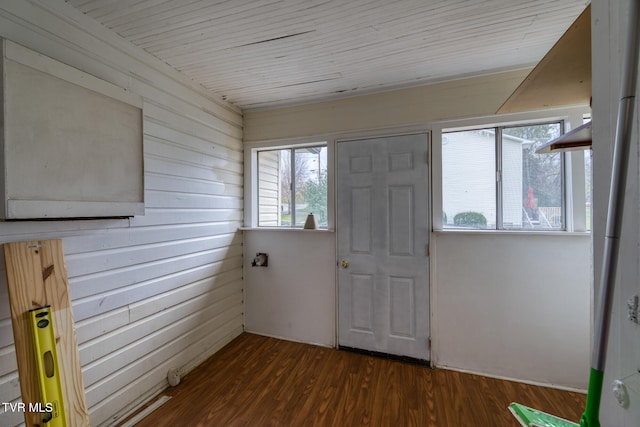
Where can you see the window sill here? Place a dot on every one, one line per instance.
(514, 232)
(317, 230)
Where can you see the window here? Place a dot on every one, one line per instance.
(587, 187)
(292, 183)
(493, 179)
(588, 176)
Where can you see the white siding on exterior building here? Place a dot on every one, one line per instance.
(269, 188)
(469, 177)
(155, 291)
(512, 170)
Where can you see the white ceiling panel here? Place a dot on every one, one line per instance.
(274, 52)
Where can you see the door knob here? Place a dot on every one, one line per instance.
(344, 263)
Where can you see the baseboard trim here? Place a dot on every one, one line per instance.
(146, 412)
(513, 379)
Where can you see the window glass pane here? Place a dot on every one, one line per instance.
(531, 183)
(277, 180)
(274, 188)
(587, 186)
(469, 179)
(311, 185)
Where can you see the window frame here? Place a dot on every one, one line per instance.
(498, 129)
(255, 180)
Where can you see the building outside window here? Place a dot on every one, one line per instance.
(493, 179)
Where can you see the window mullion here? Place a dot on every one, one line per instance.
(563, 189)
(499, 219)
(293, 187)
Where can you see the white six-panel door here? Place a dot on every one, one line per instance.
(383, 232)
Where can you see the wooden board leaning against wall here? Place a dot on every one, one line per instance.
(37, 277)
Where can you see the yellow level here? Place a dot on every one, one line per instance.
(44, 341)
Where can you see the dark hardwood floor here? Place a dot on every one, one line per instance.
(258, 381)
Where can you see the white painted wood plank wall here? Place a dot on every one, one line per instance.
(155, 291)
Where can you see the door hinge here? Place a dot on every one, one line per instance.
(427, 250)
(429, 343)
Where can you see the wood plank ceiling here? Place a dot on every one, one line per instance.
(266, 53)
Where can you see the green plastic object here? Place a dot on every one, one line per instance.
(591, 416)
(530, 417)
